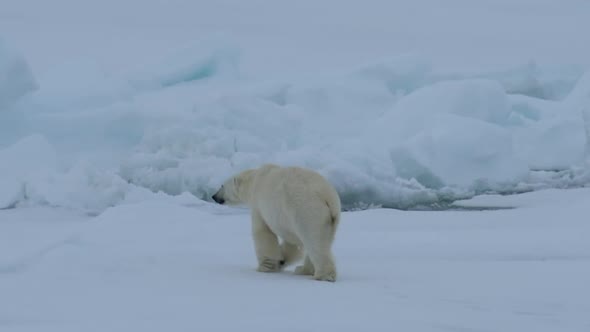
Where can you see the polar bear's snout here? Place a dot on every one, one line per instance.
(217, 198)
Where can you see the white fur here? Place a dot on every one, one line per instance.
(295, 204)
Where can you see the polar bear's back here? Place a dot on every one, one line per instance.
(303, 188)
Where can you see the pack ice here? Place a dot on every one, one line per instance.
(396, 133)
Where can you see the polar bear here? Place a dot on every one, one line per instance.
(296, 204)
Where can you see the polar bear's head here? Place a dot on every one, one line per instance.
(235, 190)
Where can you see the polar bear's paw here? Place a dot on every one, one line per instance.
(304, 270)
(327, 276)
(270, 265)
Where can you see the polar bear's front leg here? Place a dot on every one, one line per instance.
(266, 244)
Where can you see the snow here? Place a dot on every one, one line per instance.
(400, 140)
(391, 110)
(529, 200)
(27, 159)
(181, 264)
(447, 124)
(118, 120)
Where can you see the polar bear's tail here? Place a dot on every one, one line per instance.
(334, 213)
(333, 202)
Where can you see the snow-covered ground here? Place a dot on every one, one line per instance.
(118, 117)
(183, 265)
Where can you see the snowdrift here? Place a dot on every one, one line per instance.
(397, 133)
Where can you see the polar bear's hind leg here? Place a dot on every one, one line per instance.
(325, 268)
(317, 246)
(291, 253)
(306, 268)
